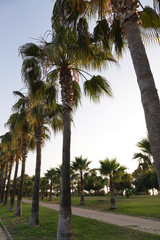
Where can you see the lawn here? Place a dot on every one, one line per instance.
(148, 206)
(84, 228)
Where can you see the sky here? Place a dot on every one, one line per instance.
(110, 128)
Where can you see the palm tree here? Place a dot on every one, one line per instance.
(58, 179)
(7, 143)
(11, 123)
(4, 181)
(25, 130)
(94, 182)
(44, 185)
(11, 206)
(128, 16)
(2, 168)
(50, 175)
(65, 55)
(9, 178)
(42, 110)
(145, 156)
(81, 165)
(28, 185)
(127, 13)
(112, 169)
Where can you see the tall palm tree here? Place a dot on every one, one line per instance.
(24, 128)
(42, 110)
(149, 95)
(65, 54)
(112, 169)
(11, 123)
(7, 142)
(4, 181)
(81, 165)
(11, 206)
(8, 180)
(127, 15)
(2, 168)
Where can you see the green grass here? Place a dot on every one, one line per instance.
(84, 228)
(148, 206)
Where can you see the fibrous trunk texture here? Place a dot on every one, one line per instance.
(18, 211)
(65, 229)
(149, 95)
(50, 193)
(34, 218)
(11, 206)
(8, 183)
(112, 200)
(4, 182)
(82, 190)
(1, 178)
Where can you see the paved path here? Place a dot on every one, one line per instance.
(138, 223)
(3, 235)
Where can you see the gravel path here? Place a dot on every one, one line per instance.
(138, 223)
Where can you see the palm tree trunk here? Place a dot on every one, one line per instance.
(50, 193)
(34, 218)
(8, 183)
(42, 194)
(82, 190)
(112, 201)
(11, 206)
(18, 211)
(1, 178)
(4, 183)
(149, 95)
(65, 228)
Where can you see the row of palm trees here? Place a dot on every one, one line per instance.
(42, 66)
(71, 51)
(81, 178)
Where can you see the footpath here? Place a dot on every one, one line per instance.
(138, 223)
(3, 235)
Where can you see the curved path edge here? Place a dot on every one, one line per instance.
(137, 223)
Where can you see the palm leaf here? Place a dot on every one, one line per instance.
(101, 33)
(97, 86)
(30, 49)
(76, 94)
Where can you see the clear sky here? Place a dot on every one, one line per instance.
(109, 129)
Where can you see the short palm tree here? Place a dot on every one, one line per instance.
(50, 175)
(112, 169)
(145, 156)
(44, 186)
(81, 165)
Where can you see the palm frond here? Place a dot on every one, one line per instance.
(30, 50)
(117, 36)
(101, 33)
(150, 27)
(97, 86)
(76, 94)
(31, 70)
